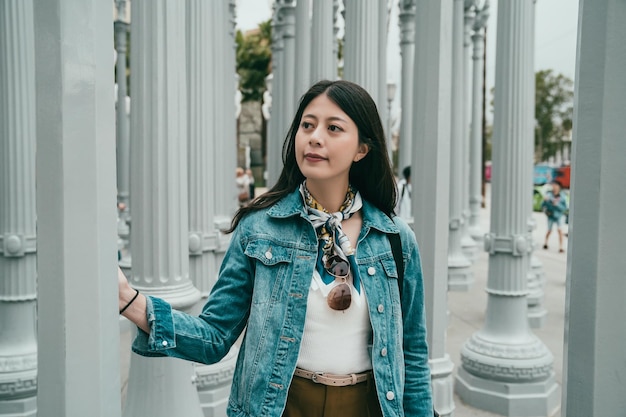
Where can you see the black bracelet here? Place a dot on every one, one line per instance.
(130, 302)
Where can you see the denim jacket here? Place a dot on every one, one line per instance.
(555, 206)
(263, 286)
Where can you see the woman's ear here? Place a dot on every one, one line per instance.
(363, 150)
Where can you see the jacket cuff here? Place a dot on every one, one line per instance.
(161, 337)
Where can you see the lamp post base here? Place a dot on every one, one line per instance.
(507, 398)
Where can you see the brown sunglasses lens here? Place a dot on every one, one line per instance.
(339, 298)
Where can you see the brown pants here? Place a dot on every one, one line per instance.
(309, 399)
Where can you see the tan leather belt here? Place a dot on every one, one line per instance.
(333, 380)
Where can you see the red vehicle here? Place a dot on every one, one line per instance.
(562, 176)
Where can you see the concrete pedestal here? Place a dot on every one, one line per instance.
(509, 399)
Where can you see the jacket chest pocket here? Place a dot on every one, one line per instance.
(392, 282)
(273, 269)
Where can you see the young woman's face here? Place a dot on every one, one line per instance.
(327, 142)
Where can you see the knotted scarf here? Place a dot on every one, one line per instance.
(331, 237)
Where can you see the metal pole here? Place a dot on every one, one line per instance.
(18, 217)
(407, 51)
(506, 369)
(160, 231)
(460, 275)
(476, 131)
(431, 177)
(77, 319)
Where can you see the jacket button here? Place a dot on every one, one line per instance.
(383, 352)
(164, 343)
(371, 270)
(390, 395)
(381, 308)
(268, 255)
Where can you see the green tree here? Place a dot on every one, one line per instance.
(554, 108)
(253, 60)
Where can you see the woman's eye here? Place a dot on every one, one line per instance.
(306, 125)
(334, 128)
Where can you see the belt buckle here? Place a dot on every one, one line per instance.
(314, 377)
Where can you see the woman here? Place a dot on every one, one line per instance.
(311, 277)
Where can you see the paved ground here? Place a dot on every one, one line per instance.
(467, 310)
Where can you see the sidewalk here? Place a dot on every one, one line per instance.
(467, 310)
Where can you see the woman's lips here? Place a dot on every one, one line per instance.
(313, 157)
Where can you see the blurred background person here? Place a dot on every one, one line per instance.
(554, 206)
(403, 206)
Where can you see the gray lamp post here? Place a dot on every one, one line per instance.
(391, 93)
(430, 116)
(159, 180)
(123, 148)
(78, 325)
(18, 230)
(407, 51)
(460, 275)
(122, 136)
(468, 244)
(267, 98)
(303, 46)
(476, 131)
(322, 61)
(506, 369)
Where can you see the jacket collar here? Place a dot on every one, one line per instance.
(292, 205)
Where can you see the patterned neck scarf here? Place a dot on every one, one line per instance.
(331, 237)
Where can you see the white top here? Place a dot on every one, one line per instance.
(336, 342)
(403, 206)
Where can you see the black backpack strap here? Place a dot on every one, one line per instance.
(396, 249)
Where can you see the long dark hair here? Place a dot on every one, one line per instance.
(372, 175)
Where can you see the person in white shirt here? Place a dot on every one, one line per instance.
(403, 206)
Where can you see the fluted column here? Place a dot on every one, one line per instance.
(303, 46)
(283, 84)
(537, 312)
(160, 231)
(362, 48)
(277, 124)
(18, 232)
(204, 131)
(322, 60)
(288, 17)
(77, 318)
(506, 369)
(122, 136)
(460, 276)
(476, 129)
(337, 25)
(430, 177)
(536, 276)
(407, 51)
(230, 88)
(383, 95)
(123, 216)
(468, 244)
(595, 335)
(224, 129)
(121, 133)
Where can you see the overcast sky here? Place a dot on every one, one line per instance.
(555, 35)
